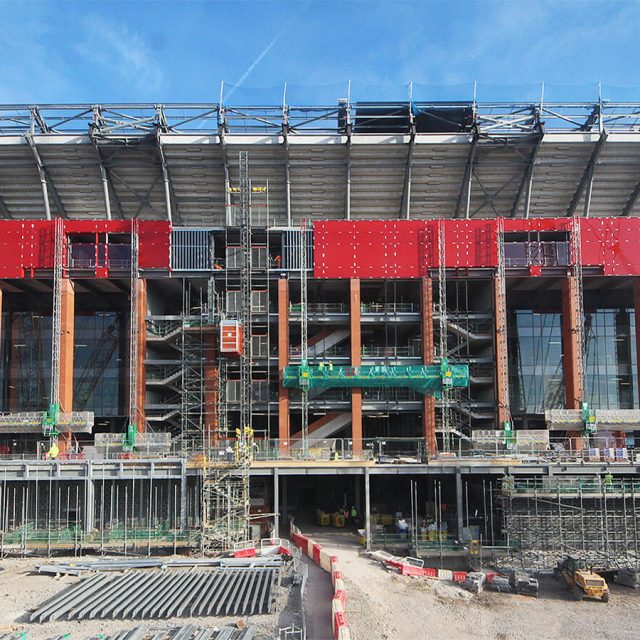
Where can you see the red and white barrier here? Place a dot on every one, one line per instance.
(329, 563)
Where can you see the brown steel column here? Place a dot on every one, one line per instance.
(572, 356)
(211, 424)
(571, 345)
(141, 391)
(284, 421)
(502, 358)
(428, 402)
(67, 327)
(356, 361)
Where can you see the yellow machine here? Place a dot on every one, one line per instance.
(582, 580)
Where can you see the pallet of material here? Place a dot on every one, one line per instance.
(628, 578)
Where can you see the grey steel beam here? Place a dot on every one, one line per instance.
(348, 175)
(405, 207)
(287, 170)
(631, 202)
(107, 182)
(171, 201)
(45, 180)
(526, 185)
(4, 210)
(367, 507)
(465, 189)
(587, 179)
(276, 503)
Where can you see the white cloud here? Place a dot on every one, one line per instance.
(122, 51)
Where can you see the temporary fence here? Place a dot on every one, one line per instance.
(409, 566)
(328, 562)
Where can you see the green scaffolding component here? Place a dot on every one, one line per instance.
(129, 438)
(589, 419)
(427, 379)
(50, 420)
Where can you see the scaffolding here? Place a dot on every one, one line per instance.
(134, 331)
(596, 519)
(304, 331)
(225, 485)
(192, 389)
(502, 365)
(445, 398)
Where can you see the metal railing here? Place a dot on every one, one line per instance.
(389, 307)
(403, 351)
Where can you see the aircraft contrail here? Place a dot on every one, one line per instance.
(253, 65)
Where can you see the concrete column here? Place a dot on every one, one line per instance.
(285, 506)
(459, 504)
(502, 359)
(276, 504)
(367, 507)
(284, 419)
(141, 391)
(428, 402)
(89, 499)
(67, 327)
(356, 361)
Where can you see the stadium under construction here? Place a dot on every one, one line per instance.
(216, 318)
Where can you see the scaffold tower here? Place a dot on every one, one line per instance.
(304, 334)
(225, 484)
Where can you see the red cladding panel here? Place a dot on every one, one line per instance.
(470, 243)
(27, 246)
(407, 248)
(155, 243)
(613, 243)
(367, 249)
(399, 249)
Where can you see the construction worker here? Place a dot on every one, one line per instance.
(354, 516)
(54, 451)
(608, 480)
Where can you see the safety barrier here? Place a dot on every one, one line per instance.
(408, 566)
(329, 563)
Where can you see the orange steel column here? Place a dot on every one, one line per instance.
(571, 347)
(141, 391)
(428, 402)
(284, 421)
(356, 361)
(572, 358)
(67, 327)
(502, 358)
(211, 423)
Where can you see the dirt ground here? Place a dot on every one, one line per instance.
(22, 590)
(383, 605)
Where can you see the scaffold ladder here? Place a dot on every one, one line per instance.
(445, 399)
(501, 337)
(304, 333)
(51, 417)
(133, 338)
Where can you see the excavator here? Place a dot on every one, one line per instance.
(581, 580)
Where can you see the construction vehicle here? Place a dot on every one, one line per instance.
(581, 580)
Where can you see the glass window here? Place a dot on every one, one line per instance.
(610, 366)
(535, 361)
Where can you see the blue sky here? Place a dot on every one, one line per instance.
(180, 51)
